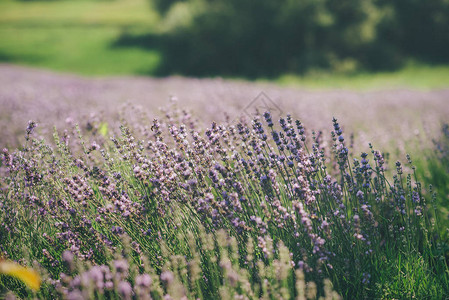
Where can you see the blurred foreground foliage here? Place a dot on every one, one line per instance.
(267, 38)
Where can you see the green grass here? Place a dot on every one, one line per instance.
(74, 49)
(78, 37)
(78, 13)
(413, 75)
(407, 277)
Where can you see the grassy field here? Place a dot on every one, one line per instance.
(79, 37)
(413, 75)
(76, 36)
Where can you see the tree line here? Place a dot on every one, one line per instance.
(271, 37)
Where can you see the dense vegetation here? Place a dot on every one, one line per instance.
(272, 37)
(258, 208)
(245, 39)
(249, 210)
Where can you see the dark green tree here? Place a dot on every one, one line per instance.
(256, 38)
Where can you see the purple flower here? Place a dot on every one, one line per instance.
(125, 289)
(121, 266)
(268, 119)
(167, 277)
(144, 281)
(31, 126)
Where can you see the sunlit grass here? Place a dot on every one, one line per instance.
(79, 37)
(84, 12)
(413, 75)
(74, 49)
(76, 36)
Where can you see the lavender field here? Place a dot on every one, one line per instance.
(178, 188)
(386, 118)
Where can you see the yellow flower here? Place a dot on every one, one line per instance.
(28, 276)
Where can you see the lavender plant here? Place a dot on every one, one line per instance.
(249, 210)
(435, 168)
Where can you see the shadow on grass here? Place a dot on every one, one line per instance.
(13, 59)
(248, 59)
(6, 58)
(258, 53)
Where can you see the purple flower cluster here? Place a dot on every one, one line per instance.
(259, 182)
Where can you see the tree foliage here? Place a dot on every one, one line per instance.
(270, 37)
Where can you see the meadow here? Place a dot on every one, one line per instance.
(82, 37)
(119, 201)
(76, 36)
(325, 184)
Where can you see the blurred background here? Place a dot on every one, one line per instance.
(286, 41)
(380, 66)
